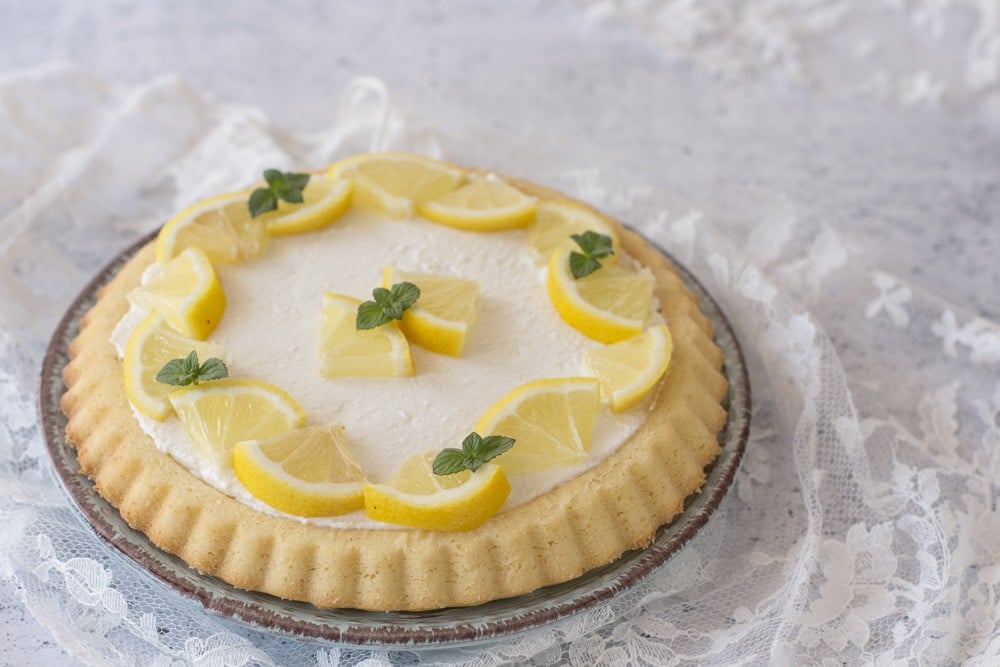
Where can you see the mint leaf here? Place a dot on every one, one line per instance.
(476, 452)
(388, 304)
(449, 461)
(581, 265)
(369, 316)
(261, 201)
(281, 186)
(595, 247)
(406, 294)
(186, 371)
(212, 369)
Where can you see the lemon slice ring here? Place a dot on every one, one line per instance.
(484, 203)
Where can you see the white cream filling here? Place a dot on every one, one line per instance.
(270, 331)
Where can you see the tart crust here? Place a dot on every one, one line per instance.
(584, 523)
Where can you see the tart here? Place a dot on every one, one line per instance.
(559, 522)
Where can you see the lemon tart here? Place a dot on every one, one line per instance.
(310, 472)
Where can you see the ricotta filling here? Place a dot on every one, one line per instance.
(270, 331)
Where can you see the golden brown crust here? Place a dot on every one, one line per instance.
(586, 522)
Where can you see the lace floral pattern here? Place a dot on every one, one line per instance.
(863, 527)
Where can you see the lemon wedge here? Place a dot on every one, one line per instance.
(556, 221)
(628, 370)
(484, 205)
(414, 496)
(393, 183)
(609, 305)
(220, 413)
(187, 292)
(551, 421)
(323, 201)
(347, 352)
(151, 345)
(441, 317)
(220, 225)
(305, 472)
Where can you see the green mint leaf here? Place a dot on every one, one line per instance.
(274, 177)
(594, 247)
(175, 372)
(382, 296)
(489, 448)
(405, 294)
(449, 461)
(297, 182)
(472, 443)
(370, 315)
(580, 265)
(388, 304)
(261, 201)
(212, 369)
(182, 372)
(476, 452)
(281, 186)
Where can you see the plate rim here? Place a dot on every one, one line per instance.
(395, 629)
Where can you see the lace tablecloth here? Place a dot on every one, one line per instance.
(848, 221)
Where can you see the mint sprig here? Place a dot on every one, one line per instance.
(182, 372)
(595, 247)
(476, 452)
(281, 186)
(388, 304)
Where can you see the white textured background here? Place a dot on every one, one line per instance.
(873, 126)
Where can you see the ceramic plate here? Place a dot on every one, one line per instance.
(352, 627)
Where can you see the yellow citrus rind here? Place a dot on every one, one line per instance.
(306, 472)
(628, 370)
(463, 507)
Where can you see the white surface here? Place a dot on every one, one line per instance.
(848, 153)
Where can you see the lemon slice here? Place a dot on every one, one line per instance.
(305, 472)
(220, 413)
(441, 317)
(609, 305)
(484, 205)
(629, 369)
(324, 200)
(151, 345)
(556, 221)
(187, 292)
(551, 421)
(392, 183)
(414, 496)
(347, 352)
(220, 225)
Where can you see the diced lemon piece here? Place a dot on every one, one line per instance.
(151, 345)
(484, 205)
(324, 200)
(441, 317)
(556, 221)
(393, 183)
(629, 369)
(305, 472)
(414, 496)
(347, 352)
(187, 292)
(220, 413)
(551, 421)
(220, 225)
(609, 305)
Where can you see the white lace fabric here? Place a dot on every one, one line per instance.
(863, 525)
